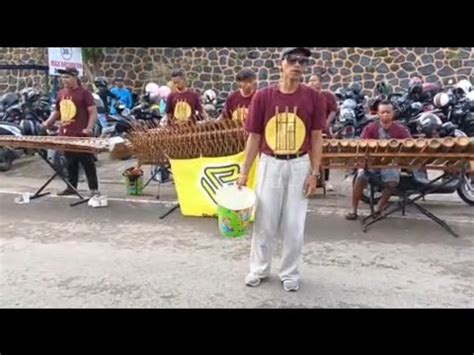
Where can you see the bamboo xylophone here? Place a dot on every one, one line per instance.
(222, 138)
(435, 153)
(67, 144)
(188, 140)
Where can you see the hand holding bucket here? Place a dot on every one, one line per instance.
(242, 181)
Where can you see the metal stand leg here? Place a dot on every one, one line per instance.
(404, 205)
(169, 211)
(401, 205)
(436, 219)
(83, 200)
(152, 177)
(38, 193)
(372, 195)
(380, 216)
(66, 181)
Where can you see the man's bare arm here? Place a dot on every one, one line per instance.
(316, 152)
(51, 119)
(251, 151)
(92, 117)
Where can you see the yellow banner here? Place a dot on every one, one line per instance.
(198, 180)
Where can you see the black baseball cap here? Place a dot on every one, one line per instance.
(69, 71)
(291, 50)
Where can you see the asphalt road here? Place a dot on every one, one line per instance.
(53, 255)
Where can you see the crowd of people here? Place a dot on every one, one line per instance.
(286, 123)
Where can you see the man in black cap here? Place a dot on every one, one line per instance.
(122, 93)
(284, 123)
(75, 107)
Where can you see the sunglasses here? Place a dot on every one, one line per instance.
(292, 59)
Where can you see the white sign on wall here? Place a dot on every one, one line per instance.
(60, 58)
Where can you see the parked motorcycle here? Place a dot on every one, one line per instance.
(7, 154)
(456, 107)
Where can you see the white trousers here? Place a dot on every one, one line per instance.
(280, 210)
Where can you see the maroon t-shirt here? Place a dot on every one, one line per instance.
(72, 106)
(395, 131)
(285, 121)
(183, 106)
(237, 106)
(331, 104)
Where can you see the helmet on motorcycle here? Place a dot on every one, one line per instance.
(464, 85)
(210, 96)
(27, 128)
(97, 100)
(349, 104)
(430, 90)
(164, 91)
(470, 96)
(415, 90)
(347, 115)
(414, 81)
(339, 93)
(416, 106)
(28, 93)
(152, 88)
(100, 82)
(209, 108)
(441, 99)
(355, 88)
(447, 129)
(429, 124)
(9, 99)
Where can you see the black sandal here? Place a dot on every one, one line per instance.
(351, 216)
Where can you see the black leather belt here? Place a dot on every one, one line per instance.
(288, 156)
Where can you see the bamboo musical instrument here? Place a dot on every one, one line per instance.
(66, 144)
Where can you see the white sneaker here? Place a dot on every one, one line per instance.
(93, 193)
(329, 187)
(252, 280)
(291, 285)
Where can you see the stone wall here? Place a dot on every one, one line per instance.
(216, 67)
(15, 80)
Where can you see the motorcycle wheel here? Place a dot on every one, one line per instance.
(6, 160)
(466, 190)
(366, 193)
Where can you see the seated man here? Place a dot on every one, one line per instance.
(385, 128)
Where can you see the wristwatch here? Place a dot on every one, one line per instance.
(315, 173)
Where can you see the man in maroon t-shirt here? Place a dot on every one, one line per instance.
(385, 129)
(284, 123)
(76, 109)
(237, 104)
(331, 111)
(183, 104)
